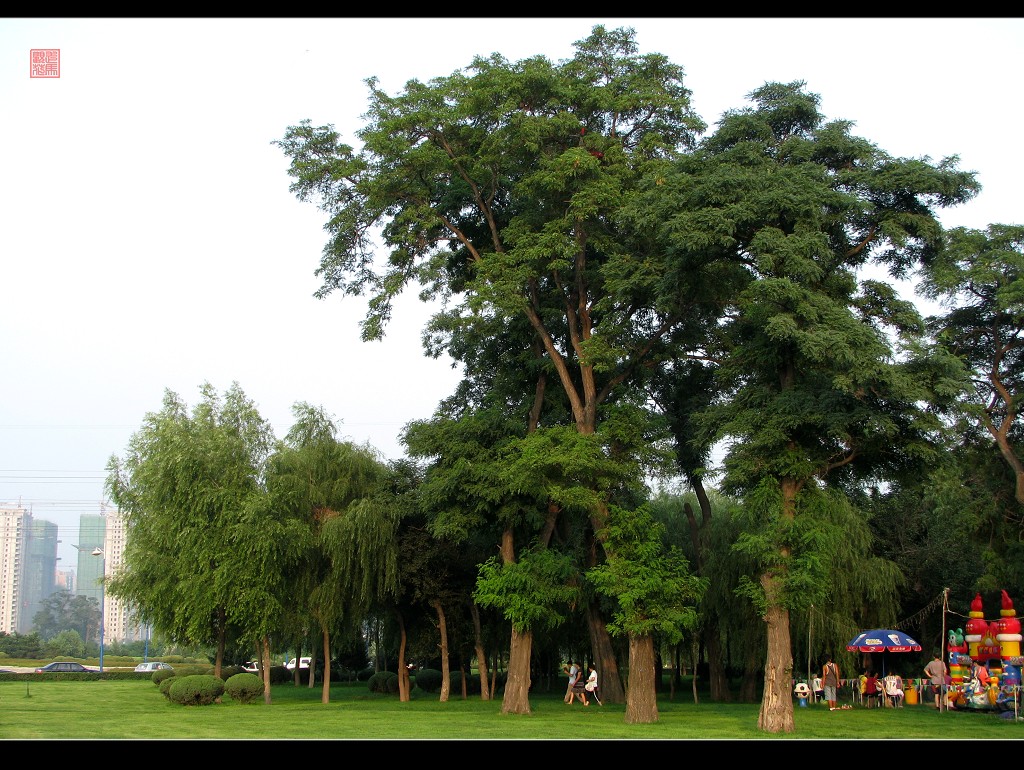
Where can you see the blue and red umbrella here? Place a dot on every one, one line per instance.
(883, 640)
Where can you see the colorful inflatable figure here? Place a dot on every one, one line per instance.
(995, 645)
(959, 660)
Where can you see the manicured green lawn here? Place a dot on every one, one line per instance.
(136, 710)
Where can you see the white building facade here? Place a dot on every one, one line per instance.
(15, 524)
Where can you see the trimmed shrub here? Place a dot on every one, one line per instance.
(165, 686)
(196, 690)
(192, 669)
(160, 675)
(365, 674)
(428, 679)
(385, 682)
(244, 687)
(280, 675)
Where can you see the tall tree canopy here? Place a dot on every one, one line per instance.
(575, 206)
(498, 188)
(191, 487)
(814, 384)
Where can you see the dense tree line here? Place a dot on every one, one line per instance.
(625, 295)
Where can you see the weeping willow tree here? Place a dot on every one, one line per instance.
(204, 552)
(336, 493)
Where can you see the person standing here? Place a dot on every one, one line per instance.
(572, 668)
(936, 673)
(591, 685)
(830, 679)
(816, 687)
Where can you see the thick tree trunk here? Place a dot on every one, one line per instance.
(776, 714)
(446, 674)
(517, 687)
(777, 701)
(604, 657)
(641, 696)
(481, 655)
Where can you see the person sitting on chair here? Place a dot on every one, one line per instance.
(818, 688)
(893, 686)
(871, 690)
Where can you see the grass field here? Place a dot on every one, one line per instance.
(135, 710)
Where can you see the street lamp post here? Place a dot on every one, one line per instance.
(103, 573)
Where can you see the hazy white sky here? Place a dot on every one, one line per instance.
(148, 240)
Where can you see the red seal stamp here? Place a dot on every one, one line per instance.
(44, 63)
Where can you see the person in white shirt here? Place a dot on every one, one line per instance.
(893, 685)
(591, 685)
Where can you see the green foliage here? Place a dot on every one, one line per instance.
(428, 679)
(244, 687)
(280, 675)
(160, 675)
(64, 611)
(22, 645)
(655, 592)
(195, 690)
(66, 644)
(203, 540)
(365, 674)
(385, 682)
(165, 684)
(533, 592)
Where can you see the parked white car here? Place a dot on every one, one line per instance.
(154, 665)
(303, 663)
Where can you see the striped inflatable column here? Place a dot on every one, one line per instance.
(959, 662)
(976, 627)
(1008, 631)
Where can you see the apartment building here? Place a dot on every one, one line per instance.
(40, 571)
(105, 532)
(29, 575)
(15, 523)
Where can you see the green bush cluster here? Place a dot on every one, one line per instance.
(342, 674)
(280, 675)
(428, 679)
(165, 685)
(365, 674)
(385, 682)
(192, 669)
(244, 687)
(160, 675)
(195, 689)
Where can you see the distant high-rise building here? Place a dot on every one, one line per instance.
(40, 571)
(65, 580)
(107, 532)
(15, 524)
(92, 528)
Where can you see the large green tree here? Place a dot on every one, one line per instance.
(816, 383)
(331, 492)
(498, 187)
(979, 279)
(64, 611)
(202, 544)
